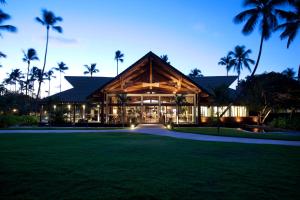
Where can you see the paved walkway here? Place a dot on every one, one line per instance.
(162, 131)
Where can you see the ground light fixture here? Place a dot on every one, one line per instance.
(169, 126)
(132, 126)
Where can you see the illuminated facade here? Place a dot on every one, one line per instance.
(146, 92)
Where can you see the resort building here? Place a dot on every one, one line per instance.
(149, 91)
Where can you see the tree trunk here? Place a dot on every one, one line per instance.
(177, 115)
(28, 67)
(218, 120)
(59, 81)
(259, 54)
(49, 88)
(117, 67)
(44, 65)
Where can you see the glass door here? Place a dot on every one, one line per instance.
(150, 115)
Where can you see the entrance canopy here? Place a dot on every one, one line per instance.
(151, 75)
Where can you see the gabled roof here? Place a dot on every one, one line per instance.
(82, 87)
(85, 87)
(212, 82)
(141, 66)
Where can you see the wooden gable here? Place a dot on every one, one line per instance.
(151, 75)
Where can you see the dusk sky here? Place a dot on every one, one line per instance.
(193, 33)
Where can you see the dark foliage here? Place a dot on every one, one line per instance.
(274, 90)
(18, 103)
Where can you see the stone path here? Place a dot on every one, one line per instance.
(162, 131)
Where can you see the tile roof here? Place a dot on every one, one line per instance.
(212, 82)
(82, 87)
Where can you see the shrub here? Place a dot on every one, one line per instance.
(28, 120)
(281, 122)
(14, 120)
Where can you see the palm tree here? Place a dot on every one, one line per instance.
(15, 76)
(262, 12)
(292, 22)
(195, 73)
(289, 72)
(49, 75)
(61, 68)
(48, 20)
(179, 100)
(3, 17)
(240, 58)
(34, 74)
(119, 56)
(122, 100)
(91, 69)
(29, 56)
(227, 62)
(2, 89)
(165, 58)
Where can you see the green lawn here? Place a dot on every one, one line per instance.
(61, 128)
(136, 166)
(233, 132)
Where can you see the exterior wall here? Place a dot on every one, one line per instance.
(142, 108)
(233, 111)
(150, 108)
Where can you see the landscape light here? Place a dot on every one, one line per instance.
(132, 126)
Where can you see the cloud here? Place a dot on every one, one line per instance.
(64, 40)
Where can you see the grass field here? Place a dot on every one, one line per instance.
(136, 166)
(233, 132)
(61, 128)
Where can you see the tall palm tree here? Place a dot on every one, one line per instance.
(91, 69)
(227, 62)
(179, 100)
(240, 58)
(29, 56)
(262, 12)
(289, 72)
(165, 58)
(119, 56)
(61, 68)
(195, 73)
(48, 20)
(49, 75)
(291, 25)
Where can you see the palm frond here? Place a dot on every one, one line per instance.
(250, 24)
(2, 55)
(40, 21)
(241, 17)
(57, 28)
(9, 28)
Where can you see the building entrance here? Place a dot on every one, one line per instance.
(150, 115)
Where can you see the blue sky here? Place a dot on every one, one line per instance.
(194, 33)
